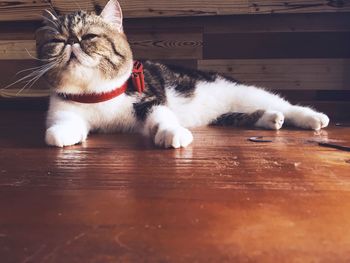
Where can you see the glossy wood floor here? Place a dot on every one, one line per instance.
(224, 199)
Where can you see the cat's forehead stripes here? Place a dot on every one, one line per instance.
(80, 22)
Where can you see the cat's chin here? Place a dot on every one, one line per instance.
(75, 64)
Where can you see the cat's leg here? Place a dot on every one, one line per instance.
(298, 116)
(277, 110)
(164, 128)
(306, 118)
(66, 128)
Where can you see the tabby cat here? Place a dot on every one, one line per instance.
(88, 56)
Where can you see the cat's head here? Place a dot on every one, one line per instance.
(85, 52)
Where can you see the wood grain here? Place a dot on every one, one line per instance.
(279, 74)
(117, 198)
(167, 45)
(21, 10)
(29, 10)
(153, 45)
(17, 49)
(277, 45)
(328, 22)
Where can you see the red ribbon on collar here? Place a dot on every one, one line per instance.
(137, 80)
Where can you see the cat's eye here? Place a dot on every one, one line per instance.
(89, 36)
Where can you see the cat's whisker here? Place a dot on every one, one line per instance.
(54, 13)
(28, 69)
(56, 23)
(43, 69)
(19, 80)
(33, 57)
(36, 77)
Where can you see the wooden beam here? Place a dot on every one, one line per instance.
(17, 49)
(152, 45)
(280, 74)
(277, 45)
(275, 74)
(22, 10)
(165, 8)
(31, 10)
(167, 45)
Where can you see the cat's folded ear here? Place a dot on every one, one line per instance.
(112, 14)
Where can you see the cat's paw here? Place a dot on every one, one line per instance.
(309, 119)
(61, 136)
(315, 121)
(272, 120)
(173, 137)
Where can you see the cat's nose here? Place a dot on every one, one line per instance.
(72, 40)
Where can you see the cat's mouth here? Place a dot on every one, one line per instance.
(73, 58)
(77, 56)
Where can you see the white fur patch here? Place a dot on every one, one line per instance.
(91, 79)
(113, 115)
(66, 128)
(213, 99)
(272, 120)
(306, 118)
(166, 129)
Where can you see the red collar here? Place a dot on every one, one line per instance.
(136, 80)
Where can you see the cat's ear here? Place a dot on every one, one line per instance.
(112, 13)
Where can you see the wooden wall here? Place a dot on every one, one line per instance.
(300, 49)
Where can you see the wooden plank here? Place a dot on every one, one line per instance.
(336, 110)
(325, 22)
(12, 71)
(164, 8)
(117, 198)
(12, 10)
(167, 45)
(29, 10)
(151, 8)
(277, 45)
(151, 46)
(225, 24)
(210, 25)
(297, 96)
(17, 49)
(175, 45)
(298, 74)
(18, 30)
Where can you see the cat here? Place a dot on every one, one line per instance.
(88, 56)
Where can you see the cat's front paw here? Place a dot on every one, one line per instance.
(61, 136)
(272, 120)
(173, 137)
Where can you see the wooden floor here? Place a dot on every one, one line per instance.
(116, 198)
